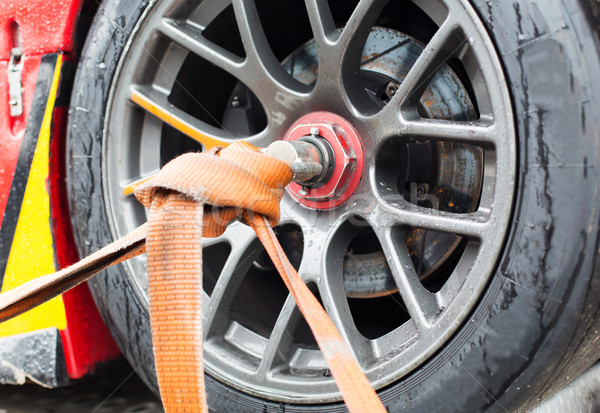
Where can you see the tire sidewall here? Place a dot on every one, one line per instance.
(115, 297)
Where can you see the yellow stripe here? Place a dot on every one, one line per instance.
(130, 188)
(32, 252)
(175, 122)
(178, 124)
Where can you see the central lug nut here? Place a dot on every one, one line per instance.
(338, 148)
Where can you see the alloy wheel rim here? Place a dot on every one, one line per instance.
(263, 358)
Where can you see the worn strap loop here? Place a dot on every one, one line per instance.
(239, 178)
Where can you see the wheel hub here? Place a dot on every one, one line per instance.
(341, 147)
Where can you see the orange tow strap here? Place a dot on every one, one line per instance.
(193, 196)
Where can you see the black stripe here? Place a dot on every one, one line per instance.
(67, 75)
(32, 132)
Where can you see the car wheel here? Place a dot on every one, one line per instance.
(457, 253)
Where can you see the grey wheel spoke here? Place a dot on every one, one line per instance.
(476, 133)
(481, 133)
(328, 278)
(261, 65)
(398, 212)
(279, 349)
(356, 30)
(420, 303)
(473, 225)
(192, 39)
(321, 22)
(438, 51)
(349, 46)
(340, 52)
(207, 242)
(216, 318)
(335, 303)
(335, 44)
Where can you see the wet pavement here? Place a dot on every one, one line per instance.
(111, 389)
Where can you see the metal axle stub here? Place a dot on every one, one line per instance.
(305, 157)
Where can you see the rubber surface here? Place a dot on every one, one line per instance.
(536, 327)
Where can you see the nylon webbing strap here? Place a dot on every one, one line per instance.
(351, 381)
(197, 195)
(174, 249)
(41, 289)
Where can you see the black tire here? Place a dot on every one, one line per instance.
(536, 325)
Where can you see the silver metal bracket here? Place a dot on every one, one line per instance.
(15, 86)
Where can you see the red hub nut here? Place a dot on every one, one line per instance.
(347, 162)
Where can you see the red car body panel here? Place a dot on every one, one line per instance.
(48, 27)
(44, 27)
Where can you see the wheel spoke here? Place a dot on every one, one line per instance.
(259, 71)
(420, 303)
(473, 225)
(340, 52)
(261, 62)
(349, 46)
(157, 104)
(442, 46)
(240, 237)
(192, 39)
(318, 268)
(278, 349)
(481, 133)
(476, 133)
(356, 31)
(321, 22)
(398, 212)
(335, 303)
